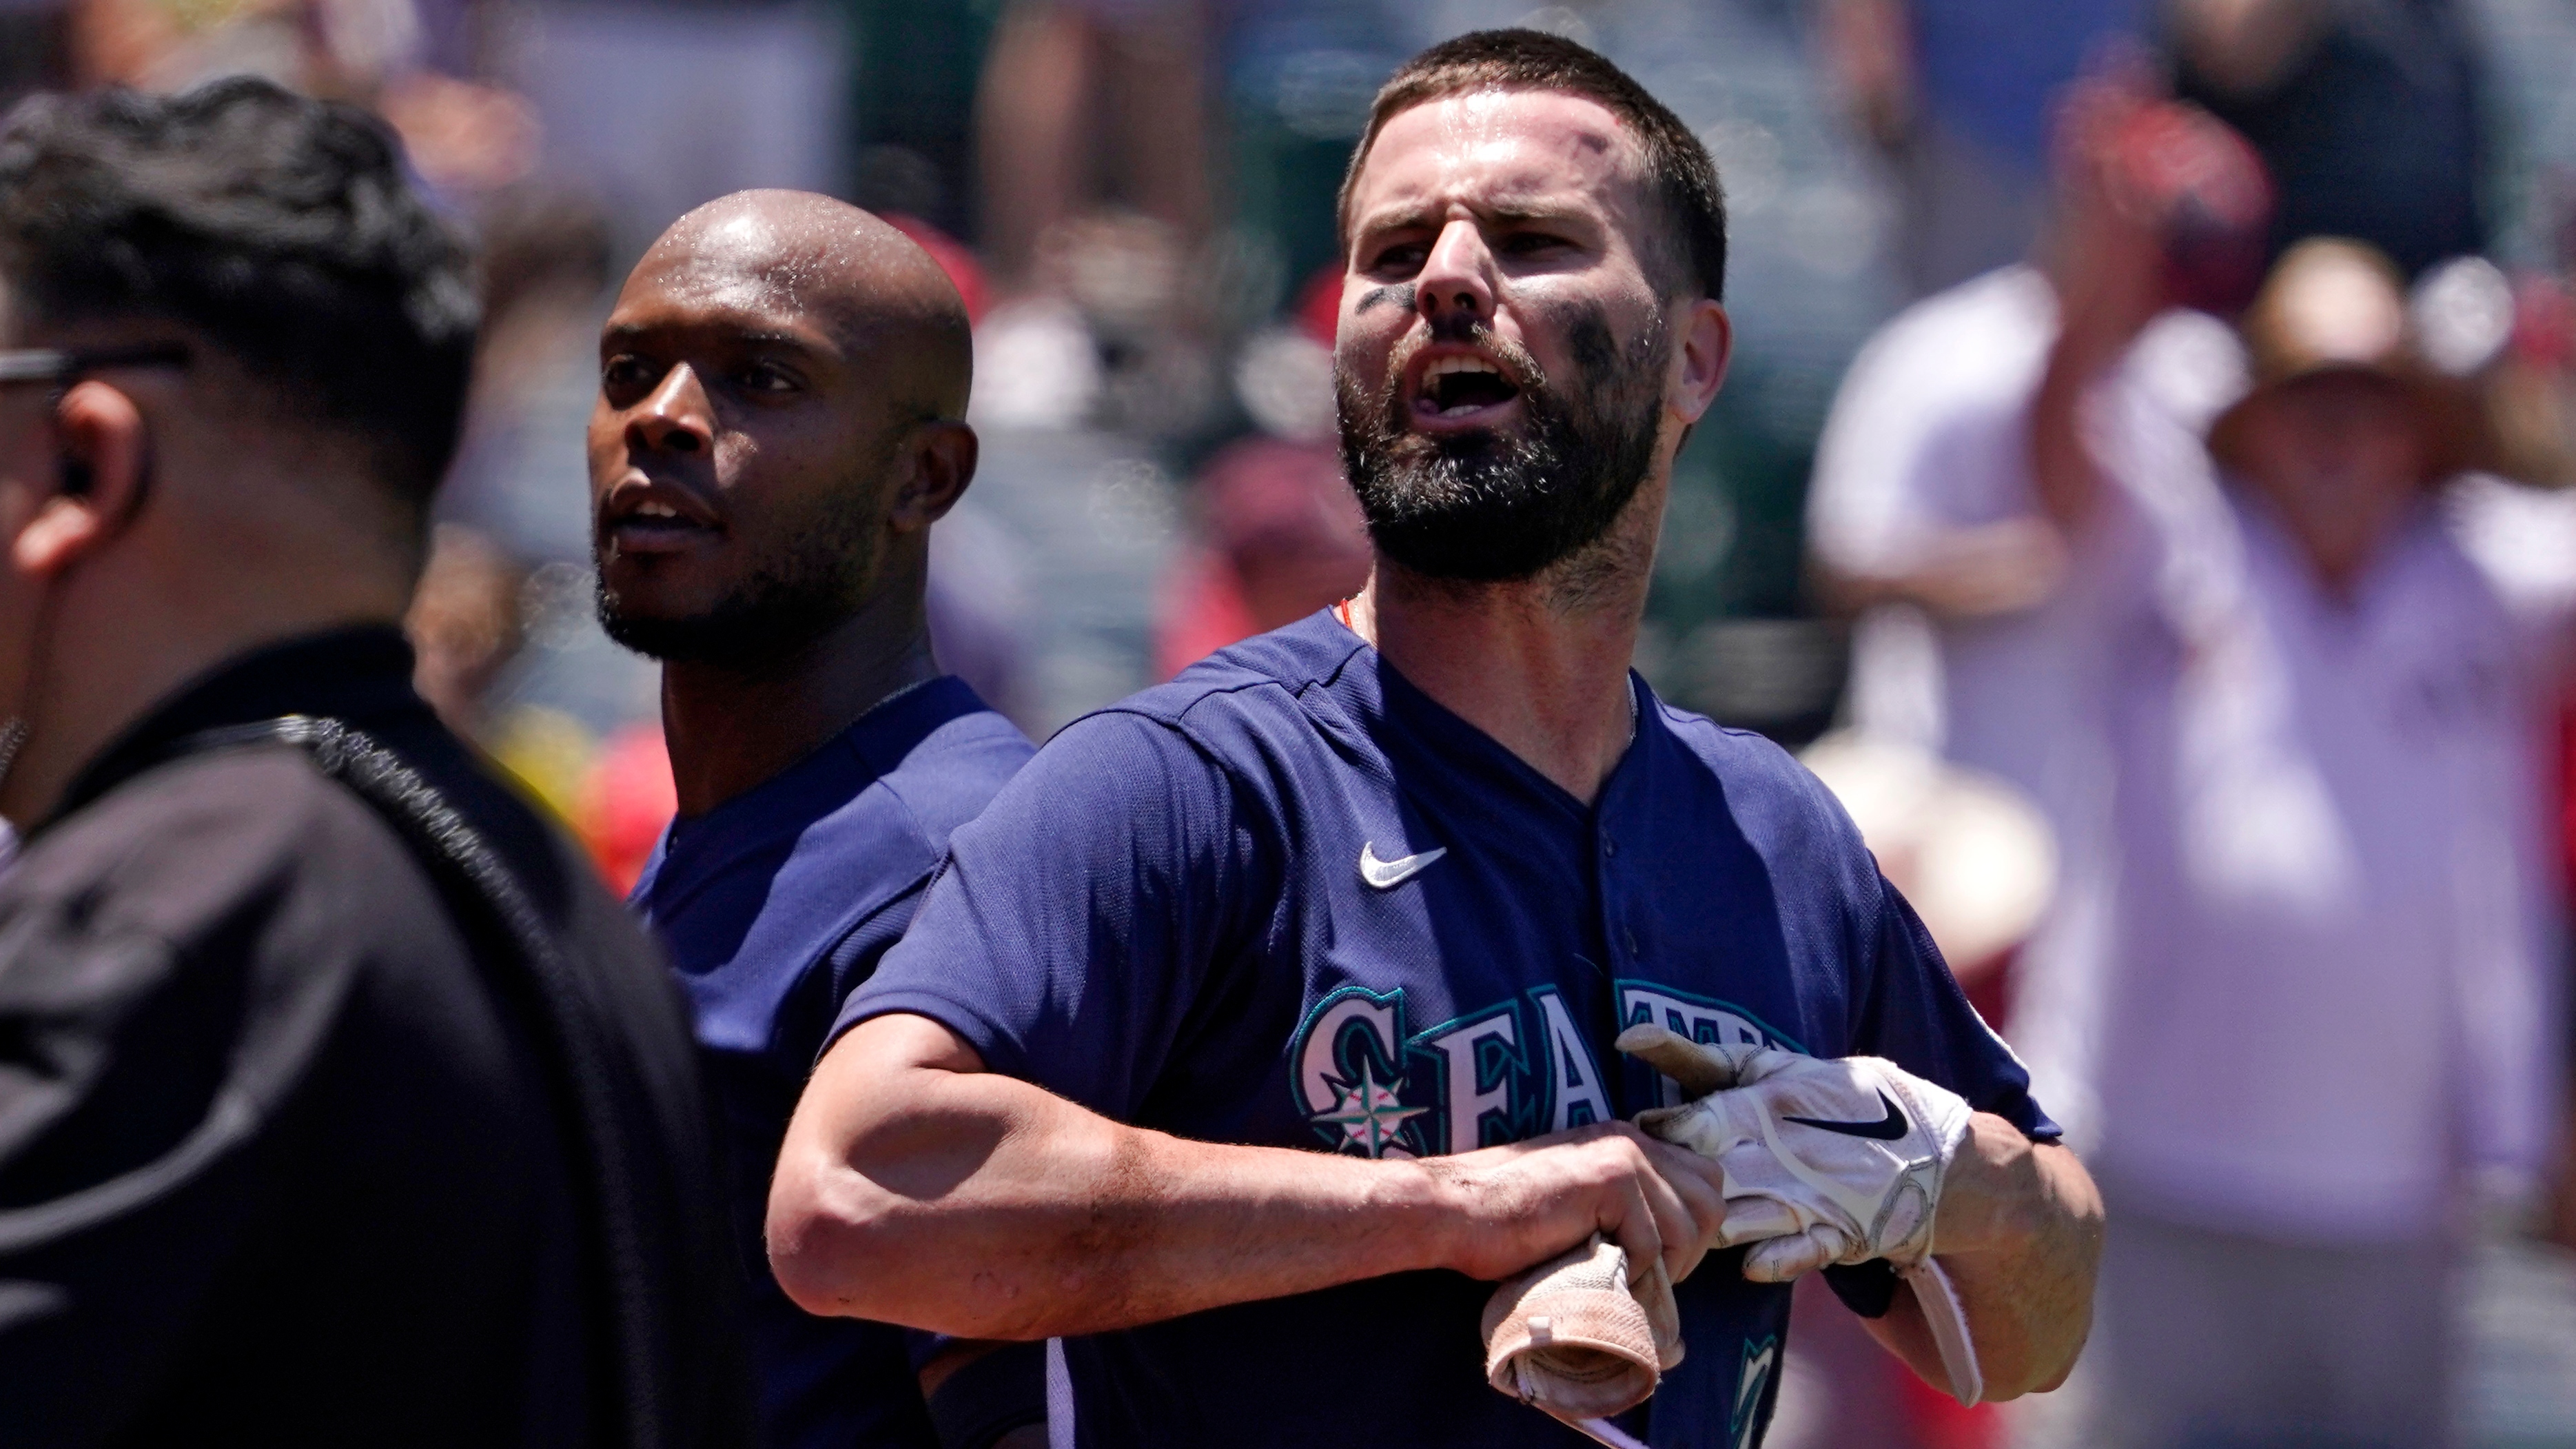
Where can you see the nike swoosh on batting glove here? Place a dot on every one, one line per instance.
(1826, 1161)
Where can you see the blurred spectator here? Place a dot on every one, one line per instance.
(1282, 538)
(1118, 288)
(1086, 105)
(1279, 533)
(463, 625)
(2369, 114)
(1978, 639)
(461, 136)
(1955, 95)
(543, 249)
(657, 107)
(912, 111)
(2326, 999)
(979, 607)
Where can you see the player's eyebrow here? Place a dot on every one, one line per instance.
(760, 336)
(1515, 212)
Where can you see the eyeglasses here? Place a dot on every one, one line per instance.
(57, 366)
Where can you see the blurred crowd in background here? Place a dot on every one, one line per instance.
(1136, 199)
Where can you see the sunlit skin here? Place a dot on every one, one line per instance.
(779, 368)
(1524, 211)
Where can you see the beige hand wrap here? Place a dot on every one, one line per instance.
(1572, 1336)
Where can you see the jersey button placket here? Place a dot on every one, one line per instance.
(1614, 903)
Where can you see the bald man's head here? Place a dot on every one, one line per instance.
(840, 264)
(783, 388)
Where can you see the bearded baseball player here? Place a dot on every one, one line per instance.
(1268, 1012)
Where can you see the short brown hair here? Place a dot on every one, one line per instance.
(1680, 177)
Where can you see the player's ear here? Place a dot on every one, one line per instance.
(942, 455)
(1707, 342)
(98, 438)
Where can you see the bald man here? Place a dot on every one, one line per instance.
(782, 388)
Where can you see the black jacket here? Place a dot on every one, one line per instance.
(283, 1152)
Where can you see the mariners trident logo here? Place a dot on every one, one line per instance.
(1369, 1117)
(1350, 1081)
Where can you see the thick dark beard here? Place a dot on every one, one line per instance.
(789, 602)
(1485, 508)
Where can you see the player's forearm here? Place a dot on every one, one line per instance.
(975, 1204)
(2020, 1236)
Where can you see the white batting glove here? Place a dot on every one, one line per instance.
(1826, 1161)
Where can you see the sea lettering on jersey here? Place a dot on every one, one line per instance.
(1370, 1084)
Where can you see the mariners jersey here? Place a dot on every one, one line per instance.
(774, 905)
(1290, 900)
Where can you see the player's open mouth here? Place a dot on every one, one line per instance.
(1459, 384)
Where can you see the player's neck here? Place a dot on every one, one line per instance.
(733, 729)
(1539, 664)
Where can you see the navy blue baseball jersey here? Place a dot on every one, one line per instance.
(775, 905)
(1290, 900)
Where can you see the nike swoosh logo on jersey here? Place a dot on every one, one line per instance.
(1886, 1129)
(1386, 875)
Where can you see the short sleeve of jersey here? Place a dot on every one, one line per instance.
(1914, 1015)
(1076, 920)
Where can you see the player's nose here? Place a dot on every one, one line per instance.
(676, 417)
(1457, 281)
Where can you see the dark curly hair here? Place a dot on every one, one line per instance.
(280, 229)
(1680, 177)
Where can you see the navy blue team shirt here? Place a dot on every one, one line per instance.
(774, 906)
(1164, 918)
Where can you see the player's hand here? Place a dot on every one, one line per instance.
(1521, 1204)
(1825, 1161)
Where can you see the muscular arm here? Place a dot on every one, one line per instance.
(2020, 1235)
(918, 1188)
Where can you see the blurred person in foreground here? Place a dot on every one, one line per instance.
(2326, 1001)
(337, 1103)
(782, 388)
(1268, 1010)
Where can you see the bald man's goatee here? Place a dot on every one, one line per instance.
(784, 607)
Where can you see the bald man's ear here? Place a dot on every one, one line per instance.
(99, 433)
(942, 455)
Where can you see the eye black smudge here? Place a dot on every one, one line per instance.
(1399, 296)
(1587, 337)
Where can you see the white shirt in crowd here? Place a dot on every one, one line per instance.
(2329, 987)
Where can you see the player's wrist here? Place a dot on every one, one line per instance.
(1988, 1191)
(1435, 1208)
